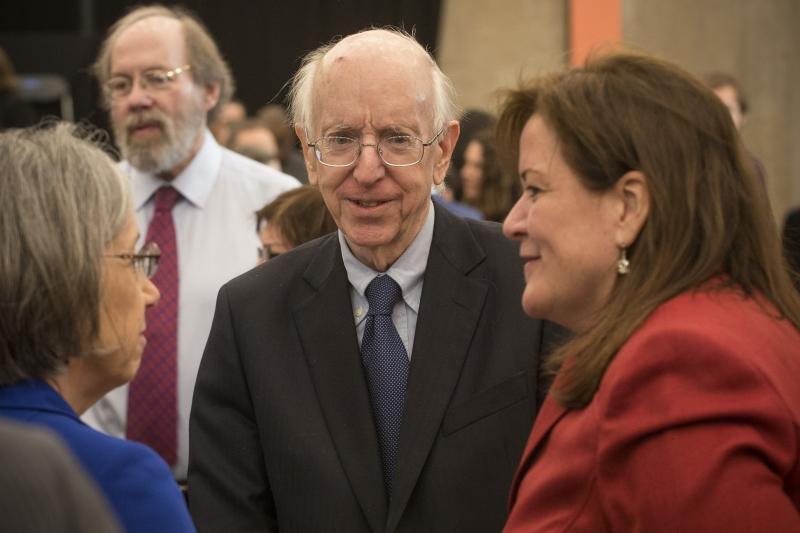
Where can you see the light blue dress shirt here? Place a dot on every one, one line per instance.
(407, 271)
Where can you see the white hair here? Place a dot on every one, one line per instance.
(301, 93)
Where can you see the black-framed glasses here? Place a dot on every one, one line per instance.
(265, 253)
(394, 150)
(154, 78)
(145, 260)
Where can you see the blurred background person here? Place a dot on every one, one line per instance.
(14, 112)
(252, 138)
(43, 489)
(449, 194)
(484, 183)
(277, 120)
(294, 217)
(229, 114)
(730, 93)
(75, 292)
(473, 121)
(645, 231)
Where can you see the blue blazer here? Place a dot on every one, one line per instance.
(135, 480)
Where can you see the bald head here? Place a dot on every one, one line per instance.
(368, 58)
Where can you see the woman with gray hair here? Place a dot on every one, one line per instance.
(73, 294)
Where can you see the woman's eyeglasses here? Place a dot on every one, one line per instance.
(145, 260)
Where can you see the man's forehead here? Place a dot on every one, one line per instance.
(380, 41)
(155, 31)
(157, 24)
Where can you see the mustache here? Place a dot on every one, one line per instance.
(145, 118)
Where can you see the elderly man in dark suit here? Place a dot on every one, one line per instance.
(382, 378)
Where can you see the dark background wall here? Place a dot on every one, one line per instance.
(262, 40)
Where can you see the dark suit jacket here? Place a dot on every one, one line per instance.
(694, 428)
(281, 431)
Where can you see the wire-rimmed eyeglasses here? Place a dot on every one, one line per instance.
(145, 260)
(155, 78)
(394, 150)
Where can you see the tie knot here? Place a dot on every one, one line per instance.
(166, 198)
(382, 293)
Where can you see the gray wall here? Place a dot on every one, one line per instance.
(487, 44)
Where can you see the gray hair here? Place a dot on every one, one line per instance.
(301, 93)
(62, 202)
(208, 66)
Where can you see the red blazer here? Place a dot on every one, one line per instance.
(695, 428)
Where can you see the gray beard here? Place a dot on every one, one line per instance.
(164, 153)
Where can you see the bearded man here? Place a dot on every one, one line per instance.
(163, 78)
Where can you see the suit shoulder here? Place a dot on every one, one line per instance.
(719, 326)
(282, 271)
(490, 236)
(106, 455)
(713, 309)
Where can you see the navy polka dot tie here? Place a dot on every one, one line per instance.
(386, 367)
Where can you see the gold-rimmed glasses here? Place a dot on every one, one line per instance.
(156, 79)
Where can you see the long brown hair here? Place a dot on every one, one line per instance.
(708, 213)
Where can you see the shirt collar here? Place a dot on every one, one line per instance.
(407, 271)
(194, 183)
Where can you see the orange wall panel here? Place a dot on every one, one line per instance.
(592, 24)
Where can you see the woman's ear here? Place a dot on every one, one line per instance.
(632, 191)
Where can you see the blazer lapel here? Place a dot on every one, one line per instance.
(449, 312)
(547, 418)
(327, 333)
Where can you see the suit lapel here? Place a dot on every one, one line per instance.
(327, 333)
(450, 308)
(547, 418)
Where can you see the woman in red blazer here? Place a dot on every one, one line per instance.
(643, 228)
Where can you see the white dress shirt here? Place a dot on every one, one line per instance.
(407, 271)
(217, 240)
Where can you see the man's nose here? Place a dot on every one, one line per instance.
(139, 96)
(369, 167)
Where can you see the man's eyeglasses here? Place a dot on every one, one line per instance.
(394, 150)
(145, 260)
(155, 78)
(265, 253)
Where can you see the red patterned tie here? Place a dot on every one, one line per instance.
(152, 397)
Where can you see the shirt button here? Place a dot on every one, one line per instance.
(359, 312)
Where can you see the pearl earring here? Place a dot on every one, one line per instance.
(623, 265)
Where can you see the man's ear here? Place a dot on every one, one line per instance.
(633, 206)
(211, 96)
(446, 144)
(308, 157)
